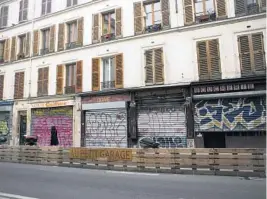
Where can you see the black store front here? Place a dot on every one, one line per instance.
(230, 114)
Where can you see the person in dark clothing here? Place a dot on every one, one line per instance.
(54, 139)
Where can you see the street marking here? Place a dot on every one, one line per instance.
(133, 173)
(12, 196)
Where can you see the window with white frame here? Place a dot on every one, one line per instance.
(72, 2)
(72, 32)
(3, 16)
(23, 10)
(152, 13)
(46, 6)
(108, 73)
(70, 75)
(46, 39)
(108, 24)
(22, 44)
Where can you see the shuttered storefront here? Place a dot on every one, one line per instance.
(106, 128)
(234, 114)
(60, 117)
(163, 121)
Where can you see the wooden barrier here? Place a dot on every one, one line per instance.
(234, 162)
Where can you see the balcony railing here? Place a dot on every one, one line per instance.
(153, 28)
(206, 17)
(253, 8)
(69, 89)
(107, 37)
(107, 85)
(44, 51)
(72, 45)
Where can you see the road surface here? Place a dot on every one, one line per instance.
(19, 181)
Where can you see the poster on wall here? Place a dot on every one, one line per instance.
(45, 118)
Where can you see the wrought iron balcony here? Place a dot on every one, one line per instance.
(206, 17)
(107, 37)
(107, 85)
(153, 28)
(253, 8)
(70, 89)
(44, 51)
(72, 45)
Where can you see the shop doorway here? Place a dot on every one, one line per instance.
(22, 126)
(214, 140)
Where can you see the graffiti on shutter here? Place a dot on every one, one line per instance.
(165, 123)
(1, 86)
(13, 49)
(240, 7)
(234, 114)
(60, 117)
(165, 12)
(60, 78)
(28, 44)
(214, 59)
(149, 67)
(118, 22)
(259, 54)
(138, 18)
(52, 39)
(202, 60)
(80, 32)
(36, 43)
(7, 50)
(61, 38)
(221, 9)
(244, 55)
(119, 71)
(106, 128)
(79, 77)
(188, 12)
(158, 66)
(96, 28)
(95, 74)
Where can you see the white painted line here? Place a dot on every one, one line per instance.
(132, 173)
(15, 196)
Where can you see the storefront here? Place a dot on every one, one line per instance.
(161, 116)
(230, 114)
(6, 113)
(55, 113)
(104, 121)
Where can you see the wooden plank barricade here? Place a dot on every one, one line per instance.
(233, 162)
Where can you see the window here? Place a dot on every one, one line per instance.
(42, 81)
(108, 73)
(154, 66)
(152, 13)
(108, 24)
(2, 77)
(45, 41)
(4, 17)
(247, 7)
(23, 10)
(2, 50)
(22, 44)
(72, 32)
(46, 6)
(72, 2)
(19, 85)
(252, 54)
(205, 10)
(70, 78)
(209, 63)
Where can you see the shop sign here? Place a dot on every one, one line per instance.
(6, 103)
(223, 88)
(103, 99)
(53, 104)
(95, 154)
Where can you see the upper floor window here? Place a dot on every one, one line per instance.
(4, 16)
(46, 6)
(23, 10)
(2, 51)
(45, 41)
(108, 23)
(72, 32)
(72, 2)
(42, 84)
(22, 46)
(209, 63)
(201, 11)
(108, 78)
(150, 16)
(252, 54)
(247, 7)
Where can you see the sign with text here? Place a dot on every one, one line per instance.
(94, 154)
(53, 104)
(103, 99)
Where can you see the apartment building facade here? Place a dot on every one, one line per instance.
(109, 73)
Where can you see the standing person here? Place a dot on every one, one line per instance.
(54, 139)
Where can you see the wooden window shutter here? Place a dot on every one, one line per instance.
(202, 53)
(221, 9)
(149, 67)
(16, 86)
(158, 66)
(60, 79)
(52, 39)
(7, 50)
(45, 80)
(188, 12)
(28, 44)
(138, 18)
(40, 82)
(19, 85)
(245, 55)
(80, 32)
(258, 52)
(214, 59)
(118, 22)
(13, 49)
(79, 77)
(95, 74)
(95, 30)
(1, 86)
(61, 36)
(240, 7)
(35, 42)
(165, 12)
(119, 71)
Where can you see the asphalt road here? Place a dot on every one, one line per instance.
(69, 183)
